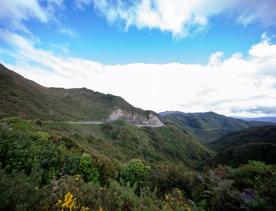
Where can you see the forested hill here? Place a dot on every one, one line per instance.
(208, 126)
(258, 143)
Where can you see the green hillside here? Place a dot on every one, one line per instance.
(121, 141)
(118, 140)
(54, 166)
(27, 99)
(51, 158)
(207, 126)
(258, 143)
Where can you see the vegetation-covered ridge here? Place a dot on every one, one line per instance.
(121, 142)
(209, 126)
(258, 143)
(44, 169)
(24, 98)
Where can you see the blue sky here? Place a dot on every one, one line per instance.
(65, 43)
(86, 33)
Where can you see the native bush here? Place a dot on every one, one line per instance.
(89, 173)
(135, 172)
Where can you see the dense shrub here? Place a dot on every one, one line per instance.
(257, 181)
(175, 200)
(90, 195)
(166, 176)
(135, 172)
(40, 171)
(113, 197)
(23, 149)
(18, 192)
(89, 173)
(220, 193)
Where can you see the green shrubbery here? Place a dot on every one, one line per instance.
(41, 171)
(89, 173)
(24, 149)
(18, 192)
(135, 172)
(257, 181)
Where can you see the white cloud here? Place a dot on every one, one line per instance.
(265, 54)
(176, 16)
(251, 11)
(67, 31)
(15, 12)
(215, 58)
(181, 17)
(82, 3)
(238, 85)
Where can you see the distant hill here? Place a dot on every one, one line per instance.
(258, 143)
(263, 134)
(260, 119)
(24, 98)
(207, 126)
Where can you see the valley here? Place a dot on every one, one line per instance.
(137, 105)
(110, 155)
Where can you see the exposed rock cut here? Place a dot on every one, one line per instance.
(151, 120)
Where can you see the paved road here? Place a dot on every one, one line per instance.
(101, 122)
(88, 122)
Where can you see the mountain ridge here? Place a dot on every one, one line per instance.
(207, 126)
(25, 98)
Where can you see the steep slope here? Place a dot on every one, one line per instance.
(264, 134)
(258, 143)
(117, 142)
(121, 141)
(27, 99)
(207, 126)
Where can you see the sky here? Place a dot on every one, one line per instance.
(161, 55)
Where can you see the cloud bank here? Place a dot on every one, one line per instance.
(240, 85)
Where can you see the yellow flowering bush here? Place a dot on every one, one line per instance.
(77, 177)
(84, 209)
(176, 201)
(69, 203)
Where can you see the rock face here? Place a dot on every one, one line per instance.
(151, 120)
(154, 120)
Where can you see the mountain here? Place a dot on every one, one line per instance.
(24, 98)
(115, 135)
(260, 119)
(258, 143)
(207, 126)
